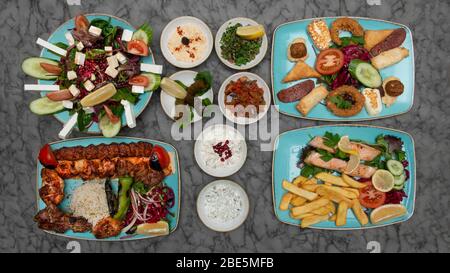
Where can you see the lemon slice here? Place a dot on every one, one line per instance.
(345, 146)
(153, 229)
(98, 96)
(387, 212)
(383, 180)
(250, 32)
(172, 88)
(353, 163)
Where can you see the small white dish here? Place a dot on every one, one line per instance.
(220, 132)
(245, 22)
(229, 114)
(168, 102)
(218, 225)
(171, 27)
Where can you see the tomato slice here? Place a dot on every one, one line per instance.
(370, 197)
(81, 22)
(47, 158)
(160, 158)
(329, 61)
(139, 80)
(51, 68)
(60, 95)
(137, 47)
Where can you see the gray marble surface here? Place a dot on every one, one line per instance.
(22, 133)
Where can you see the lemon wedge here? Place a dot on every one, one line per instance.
(353, 163)
(153, 229)
(346, 146)
(387, 212)
(250, 32)
(98, 96)
(383, 180)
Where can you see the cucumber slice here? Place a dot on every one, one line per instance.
(399, 187)
(140, 35)
(45, 106)
(108, 128)
(399, 179)
(31, 67)
(154, 81)
(365, 73)
(395, 167)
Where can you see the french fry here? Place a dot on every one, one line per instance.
(341, 218)
(332, 179)
(348, 194)
(333, 218)
(311, 181)
(297, 191)
(331, 207)
(355, 191)
(298, 201)
(299, 180)
(301, 216)
(359, 213)
(311, 220)
(311, 188)
(310, 206)
(352, 182)
(285, 200)
(328, 184)
(322, 211)
(333, 195)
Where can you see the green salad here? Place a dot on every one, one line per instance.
(237, 50)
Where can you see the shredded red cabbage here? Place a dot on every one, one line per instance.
(395, 197)
(344, 77)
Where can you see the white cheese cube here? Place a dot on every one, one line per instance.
(67, 104)
(112, 61)
(152, 68)
(93, 77)
(121, 58)
(69, 38)
(108, 50)
(67, 129)
(80, 46)
(129, 114)
(51, 47)
(126, 35)
(89, 110)
(111, 71)
(41, 87)
(71, 75)
(137, 89)
(79, 58)
(74, 90)
(95, 31)
(88, 85)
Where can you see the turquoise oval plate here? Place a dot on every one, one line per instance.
(58, 36)
(286, 155)
(173, 181)
(287, 32)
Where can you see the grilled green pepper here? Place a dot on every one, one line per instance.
(124, 197)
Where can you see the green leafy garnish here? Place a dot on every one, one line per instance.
(206, 102)
(108, 30)
(330, 139)
(148, 30)
(340, 102)
(95, 53)
(83, 120)
(237, 50)
(140, 188)
(325, 155)
(125, 94)
(206, 78)
(309, 170)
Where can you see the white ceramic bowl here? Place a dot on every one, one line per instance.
(244, 22)
(223, 226)
(171, 27)
(220, 130)
(244, 120)
(168, 102)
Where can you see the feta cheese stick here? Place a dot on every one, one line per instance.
(152, 68)
(129, 115)
(41, 87)
(51, 47)
(67, 129)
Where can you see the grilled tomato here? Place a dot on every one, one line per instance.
(47, 158)
(160, 158)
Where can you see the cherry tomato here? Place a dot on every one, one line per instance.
(139, 80)
(81, 22)
(51, 68)
(160, 158)
(370, 197)
(47, 158)
(60, 95)
(329, 61)
(137, 47)
(113, 118)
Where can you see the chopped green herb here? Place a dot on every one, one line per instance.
(325, 155)
(331, 140)
(237, 50)
(340, 102)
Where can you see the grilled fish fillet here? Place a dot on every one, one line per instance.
(366, 152)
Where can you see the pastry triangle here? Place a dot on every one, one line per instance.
(301, 71)
(374, 37)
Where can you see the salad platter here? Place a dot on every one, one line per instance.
(342, 69)
(95, 73)
(343, 177)
(98, 188)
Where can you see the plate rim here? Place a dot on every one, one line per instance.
(113, 240)
(275, 143)
(119, 19)
(234, 184)
(337, 119)
(187, 65)
(233, 66)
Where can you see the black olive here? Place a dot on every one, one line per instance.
(185, 41)
(154, 163)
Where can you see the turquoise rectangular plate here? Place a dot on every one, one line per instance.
(287, 32)
(286, 155)
(173, 181)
